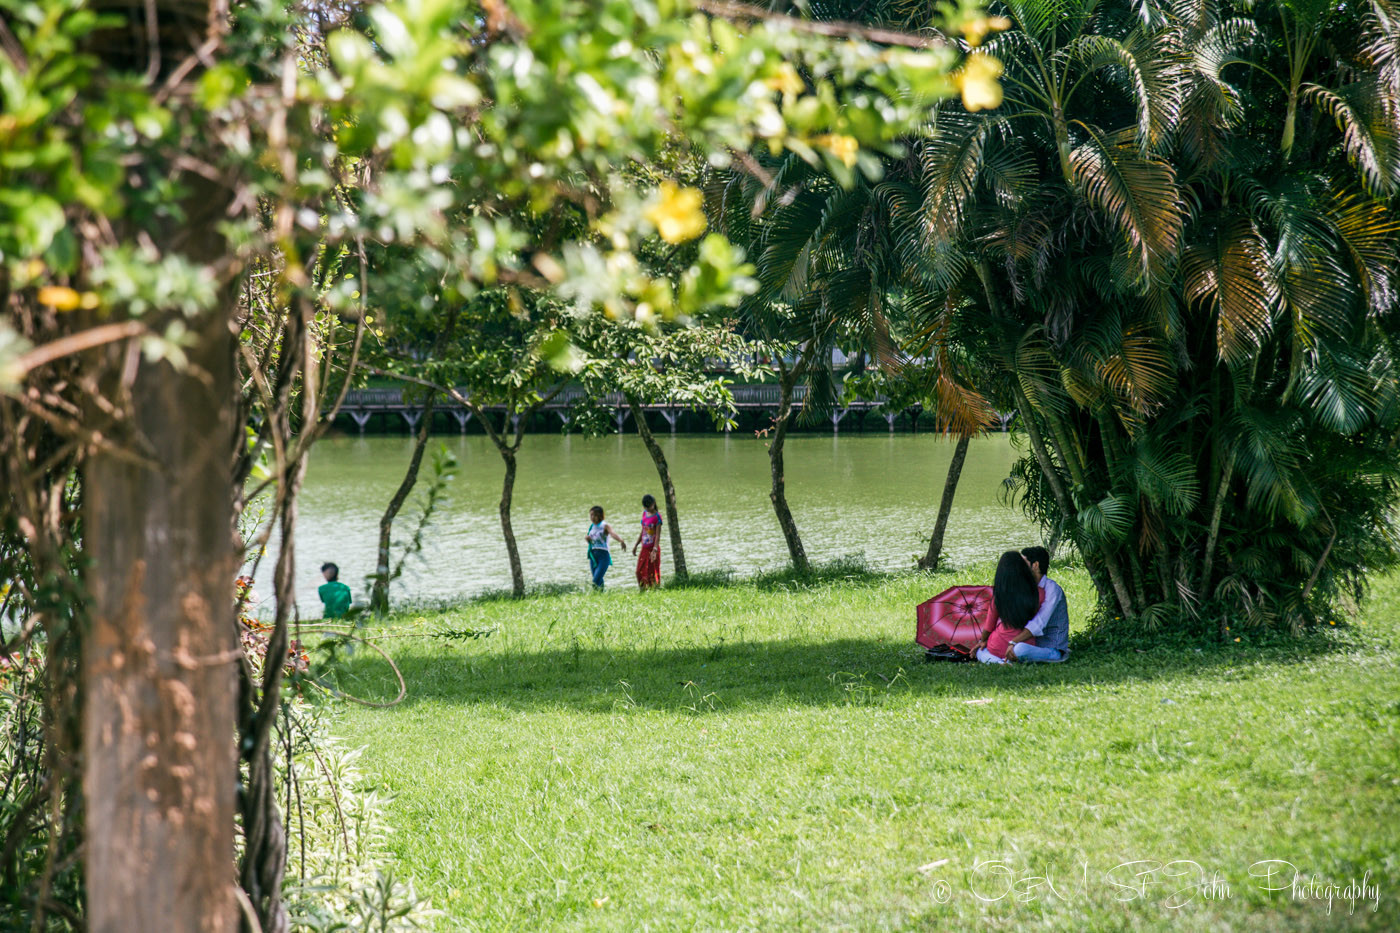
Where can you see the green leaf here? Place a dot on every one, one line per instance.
(1110, 520)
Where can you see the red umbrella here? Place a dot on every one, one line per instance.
(955, 619)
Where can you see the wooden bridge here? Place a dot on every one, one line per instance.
(363, 404)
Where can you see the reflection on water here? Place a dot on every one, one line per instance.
(870, 496)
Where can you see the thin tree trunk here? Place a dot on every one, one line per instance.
(668, 488)
(778, 493)
(160, 654)
(1217, 511)
(1164, 573)
(1057, 530)
(379, 593)
(1317, 568)
(931, 560)
(265, 839)
(1069, 453)
(1062, 499)
(1042, 456)
(1120, 586)
(517, 573)
(508, 450)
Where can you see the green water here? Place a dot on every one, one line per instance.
(870, 496)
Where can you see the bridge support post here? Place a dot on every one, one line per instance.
(889, 419)
(563, 417)
(620, 416)
(1005, 418)
(462, 416)
(361, 418)
(412, 417)
(515, 422)
(670, 414)
(836, 417)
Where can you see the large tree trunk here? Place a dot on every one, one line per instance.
(161, 654)
(778, 493)
(379, 593)
(945, 506)
(668, 488)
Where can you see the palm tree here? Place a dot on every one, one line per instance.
(1178, 368)
(1192, 312)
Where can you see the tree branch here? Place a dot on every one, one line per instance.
(726, 9)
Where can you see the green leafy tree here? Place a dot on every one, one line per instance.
(157, 158)
(673, 366)
(834, 271)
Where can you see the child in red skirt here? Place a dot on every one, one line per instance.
(649, 563)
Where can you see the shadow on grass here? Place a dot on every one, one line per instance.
(729, 676)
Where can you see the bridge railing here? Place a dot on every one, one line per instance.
(745, 396)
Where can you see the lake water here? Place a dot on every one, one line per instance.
(871, 496)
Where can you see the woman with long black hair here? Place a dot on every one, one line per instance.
(1015, 599)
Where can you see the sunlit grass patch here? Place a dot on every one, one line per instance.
(778, 755)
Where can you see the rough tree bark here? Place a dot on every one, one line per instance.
(160, 657)
(778, 493)
(945, 505)
(668, 488)
(379, 592)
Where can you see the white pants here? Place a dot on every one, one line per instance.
(986, 657)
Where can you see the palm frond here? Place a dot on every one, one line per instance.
(1144, 66)
(1338, 390)
(1368, 114)
(1109, 520)
(1137, 196)
(1166, 477)
(1229, 271)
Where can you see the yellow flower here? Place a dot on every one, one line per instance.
(677, 214)
(841, 146)
(1236, 639)
(978, 82)
(60, 298)
(786, 80)
(975, 30)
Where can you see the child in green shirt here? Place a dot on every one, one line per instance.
(335, 596)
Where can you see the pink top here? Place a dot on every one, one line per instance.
(651, 523)
(1000, 640)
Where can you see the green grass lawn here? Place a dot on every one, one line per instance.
(768, 757)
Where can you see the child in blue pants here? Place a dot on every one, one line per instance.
(599, 554)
